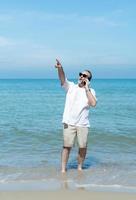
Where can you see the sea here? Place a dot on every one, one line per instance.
(31, 137)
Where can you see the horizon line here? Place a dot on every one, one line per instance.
(68, 78)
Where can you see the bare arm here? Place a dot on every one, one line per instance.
(61, 73)
(91, 99)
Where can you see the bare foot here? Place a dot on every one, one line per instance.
(79, 168)
(63, 171)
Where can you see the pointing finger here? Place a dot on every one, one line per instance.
(57, 61)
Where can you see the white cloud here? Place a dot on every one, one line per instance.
(73, 18)
(4, 42)
(76, 18)
(23, 52)
(117, 12)
(6, 17)
(105, 21)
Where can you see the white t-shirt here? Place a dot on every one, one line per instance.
(76, 111)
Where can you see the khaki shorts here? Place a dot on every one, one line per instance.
(70, 133)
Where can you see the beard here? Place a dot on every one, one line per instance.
(81, 83)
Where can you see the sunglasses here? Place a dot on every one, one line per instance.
(84, 75)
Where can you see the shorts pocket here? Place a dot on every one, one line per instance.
(65, 126)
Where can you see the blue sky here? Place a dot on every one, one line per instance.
(98, 35)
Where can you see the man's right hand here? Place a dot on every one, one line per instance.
(58, 64)
(60, 71)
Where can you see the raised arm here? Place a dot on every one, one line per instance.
(61, 73)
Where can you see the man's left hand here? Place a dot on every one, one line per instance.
(87, 84)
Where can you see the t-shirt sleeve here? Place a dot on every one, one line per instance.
(67, 84)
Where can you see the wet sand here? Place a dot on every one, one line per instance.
(65, 195)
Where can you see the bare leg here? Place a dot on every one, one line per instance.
(81, 157)
(64, 158)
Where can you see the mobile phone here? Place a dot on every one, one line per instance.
(85, 82)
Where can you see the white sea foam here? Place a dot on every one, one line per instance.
(114, 187)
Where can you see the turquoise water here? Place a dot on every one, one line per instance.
(31, 135)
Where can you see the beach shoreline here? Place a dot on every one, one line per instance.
(40, 190)
(65, 194)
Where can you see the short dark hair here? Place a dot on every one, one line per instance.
(90, 74)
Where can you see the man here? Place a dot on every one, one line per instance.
(79, 98)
